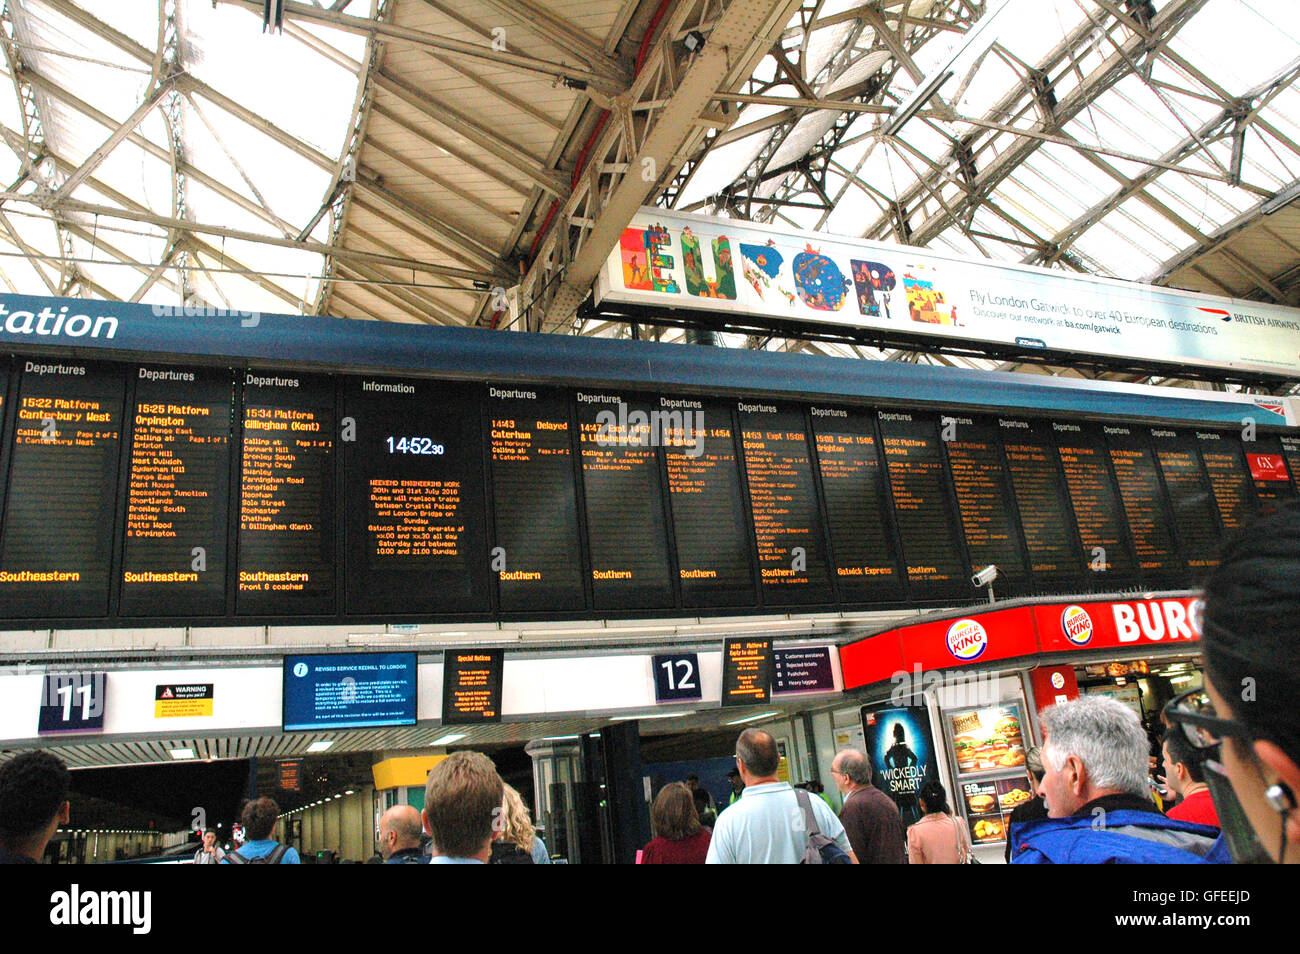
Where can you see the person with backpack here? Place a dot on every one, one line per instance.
(772, 823)
(260, 847)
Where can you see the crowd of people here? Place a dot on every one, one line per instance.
(1230, 755)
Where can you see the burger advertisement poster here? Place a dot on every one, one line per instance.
(901, 747)
(987, 740)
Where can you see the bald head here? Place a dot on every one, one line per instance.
(757, 756)
(399, 828)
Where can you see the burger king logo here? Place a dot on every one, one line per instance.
(1058, 681)
(1076, 624)
(967, 639)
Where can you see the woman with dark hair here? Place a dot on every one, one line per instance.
(679, 837)
(938, 838)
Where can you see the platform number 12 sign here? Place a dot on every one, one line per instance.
(677, 677)
(72, 702)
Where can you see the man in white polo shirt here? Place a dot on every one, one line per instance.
(765, 827)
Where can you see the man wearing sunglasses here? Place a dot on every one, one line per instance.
(1247, 719)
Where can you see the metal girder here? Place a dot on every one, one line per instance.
(571, 255)
(558, 32)
(115, 139)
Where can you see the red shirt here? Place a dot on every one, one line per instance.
(688, 851)
(1197, 807)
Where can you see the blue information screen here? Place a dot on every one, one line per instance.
(348, 690)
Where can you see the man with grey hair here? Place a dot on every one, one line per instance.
(1095, 786)
(870, 817)
(400, 830)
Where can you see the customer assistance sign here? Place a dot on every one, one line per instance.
(672, 260)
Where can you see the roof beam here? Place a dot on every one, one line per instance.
(115, 139)
(555, 30)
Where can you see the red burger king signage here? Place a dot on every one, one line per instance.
(1117, 624)
(967, 640)
(1076, 624)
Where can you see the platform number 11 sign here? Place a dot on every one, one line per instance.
(72, 702)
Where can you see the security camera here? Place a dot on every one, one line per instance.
(985, 576)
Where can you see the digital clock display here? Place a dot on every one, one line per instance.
(415, 445)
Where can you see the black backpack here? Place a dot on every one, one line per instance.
(278, 852)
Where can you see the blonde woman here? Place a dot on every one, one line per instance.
(518, 843)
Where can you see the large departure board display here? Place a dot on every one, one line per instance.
(178, 494)
(1044, 507)
(708, 514)
(536, 554)
(56, 544)
(857, 507)
(1096, 504)
(984, 499)
(927, 522)
(1142, 497)
(792, 558)
(191, 494)
(286, 496)
(1195, 521)
(624, 498)
(413, 470)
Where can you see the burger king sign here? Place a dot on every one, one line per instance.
(1076, 624)
(967, 639)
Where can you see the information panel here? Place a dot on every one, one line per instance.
(984, 499)
(1143, 499)
(1291, 454)
(1190, 496)
(857, 509)
(178, 494)
(471, 686)
(1041, 499)
(927, 525)
(624, 503)
(802, 670)
(1269, 472)
(413, 476)
(536, 553)
(746, 672)
(286, 514)
(1226, 468)
(56, 546)
(349, 690)
(1096, 503)
(708, 514)
(783, 499)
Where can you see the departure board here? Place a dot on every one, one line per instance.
(1096, 504)
(857, 509)
(56, 545)
(1195, 521)
(708, 515)
(471, 686)
(416, 530)
(923, 509)
(783, 500)
(1291, 454)
(1269, 472)
(1229, 480)
(1040, 497)
(746, 672)
(1143, 497)
(984, 499)
(178, 494)
(624, 498)
(536, 554)
(286, 506)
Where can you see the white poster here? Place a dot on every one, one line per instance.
(668, 259)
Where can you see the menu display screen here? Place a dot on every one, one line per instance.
(536, 554)
(286, 502)
(708, 514)
(927, 525)
(1041, 499)
(416, 529)
(1229, 480)
(178, 494)
(471, 686)
(862, 543)
(1095, 501)
(984, 499)
(1190, 496)
(791, 553)
(624, 497)
(56, 544)
(1143, 500)
(746, 672)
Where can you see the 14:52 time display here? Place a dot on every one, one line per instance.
(414, 445)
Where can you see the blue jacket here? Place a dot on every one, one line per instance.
(1129, 837)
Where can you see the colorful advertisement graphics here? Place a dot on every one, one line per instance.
(901, 748)
(987, 740)
(669, 259)
(989, 805)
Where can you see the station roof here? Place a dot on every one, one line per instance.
(400, 159)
